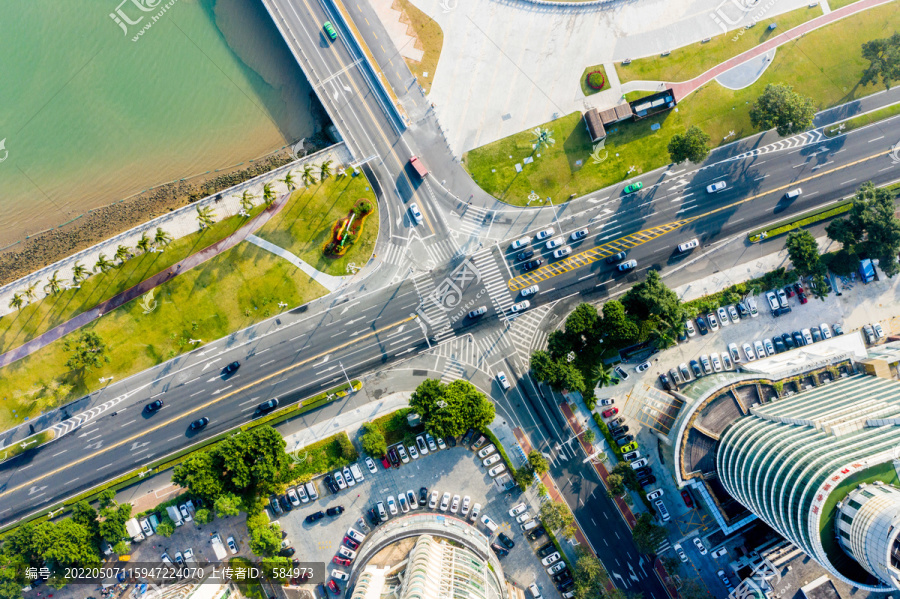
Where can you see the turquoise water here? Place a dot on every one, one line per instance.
(90, 116)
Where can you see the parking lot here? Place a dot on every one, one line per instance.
(456, 470)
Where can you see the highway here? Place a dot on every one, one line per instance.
(407, 302)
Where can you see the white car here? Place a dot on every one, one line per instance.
(717, 186)
(535, 593)
(639, 463)
(445, 502)
(794, 193)
(441, 444)
(760, 350)
(416, 213)
(723, 316)
(707, 365)
(486, 451)
(748, 350)
(655, 494)
(727, 364)
(348, 476)
(430, 440)
(689, 325)
(392, 505)
(413, 452)
(404, 505)
(184, 513)
(465, 505)
(713, 321)
(565, 251)
(544, 234)
(525, 517)
(807, 336)
(370, 464)
(518, 509)
(490, 524)
(627, 265)
(411, 498)
(773, 301)
(699, 545)
(292, 496)
(716, 363)
(403, 456)
(826, 330)
(607, 402)
(642, 367)
(556, 568)
(579, 234)
(432, 501)
(521, 306)
(530, 290)
(340, 575)
(733, 313)
(520, 243)
(733, 350)
(454, 507)
(232, 546)
(501, 378)
(339, 479)
(782, 297)
(476, 509)
(681, 554)
(879, 332)
(423, 446)
(553, 557)
(346, 552)
(491, 460)
(496, 470)
(688, 245)
(770, 349)
(553, 243)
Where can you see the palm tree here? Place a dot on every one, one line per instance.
(247, 200)
(102, 264)
(268, 194)
(79, 273)
(161, 237)
(662, 337)
(542, 138)
(205, 216)
(30, 290)
(16, 302)
(143, 244)
(122, 254)
(307, 175)
(289, 181)
(602, 374)
(325, 170)
(53, 284)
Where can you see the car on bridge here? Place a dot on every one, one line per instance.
(633, 187)
(329, 30)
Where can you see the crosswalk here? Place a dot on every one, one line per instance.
(472, 220)
(435, 317)
(394, 254)
(442, 250)
(664, 546)
(526, 334)
(496, 285)
(453, 370)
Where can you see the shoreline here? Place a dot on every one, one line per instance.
(42, 249)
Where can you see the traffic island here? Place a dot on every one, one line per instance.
(33, 442)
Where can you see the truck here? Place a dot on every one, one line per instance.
(218, 547)
(866, 270)
(134, 530)
(417, 166)
(172, 511)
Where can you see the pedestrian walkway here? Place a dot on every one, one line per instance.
(144, 286)
(685, 88)
(433, 314)
(329, 282)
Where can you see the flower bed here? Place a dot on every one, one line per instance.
(347, 230)
(596, 80)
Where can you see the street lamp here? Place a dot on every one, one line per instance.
(345, 376)
(106, 379)
(554, 213)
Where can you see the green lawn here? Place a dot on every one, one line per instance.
(588, 90)
(833, 51)
(320, 457)
(836, 4)
(39, 317)
(864, 119)
(248, 588)
(395, 428)
(689, 61)
(233, 290)
(304, 225)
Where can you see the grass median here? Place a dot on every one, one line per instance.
(810, 218)
(863, 120)
(572, 167)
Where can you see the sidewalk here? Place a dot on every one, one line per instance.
(329, 282)
(685, 88)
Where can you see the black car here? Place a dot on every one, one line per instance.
(267, 406)
(646, 482)
(196, 425)
(451, 441)
(287, 552)
(532, 264)
(332, 486)
(537, 533)
(664, 381)
(546, 550)
(701, 325)
(816, 334)
(781, 311)
(742, 310)
(153, 406)
(565, 586)
(619, 429)
(624, 440)
(336, 510)
(695, 367)
(500, 551)
(838, 329)
(231, 368)
(273, 504)
(524, 255)
(788, 340)
(316, 516)
(798, 339)
(562, 576)
(643, 472)
(779, 345)
(286, 503)
(616, 258)
(506, 541)
(372, 515)
(467, 438)
(393, 457)
(423, 495)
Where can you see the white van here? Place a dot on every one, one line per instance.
(357, 474)
(491, 526)
(688, 245)
(530, 525)
(535, 593)
(311, 490)
(751, 305)
(663, 511)
(355, 535)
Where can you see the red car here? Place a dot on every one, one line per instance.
(802, 297)
(333, 587)
(686, 496)
(352, 544)
(340, 561)
(610, 412)
(385, 462)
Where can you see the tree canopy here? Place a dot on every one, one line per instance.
(86, 352)
(647, 535)
(652, 299)
(450, 410)
(692, 145)
(556, 515)
(804, 253)
(590, 577)
(870, 228)
(884, 60)
(373, 442)
(782, 108)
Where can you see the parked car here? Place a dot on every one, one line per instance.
(699, 545)
(713, 321)
(701, 326)
(610, 412)
(773, 300)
